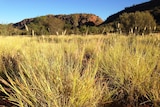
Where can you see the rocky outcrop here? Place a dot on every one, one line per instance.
(21, 24)
(81, 19)
(76, 20)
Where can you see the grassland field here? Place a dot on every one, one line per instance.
(80, 71)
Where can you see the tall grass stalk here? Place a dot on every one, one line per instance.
(76, 71)
(52, 74)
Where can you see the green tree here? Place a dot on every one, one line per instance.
(83, 29)
(137, 22)
(93, 30)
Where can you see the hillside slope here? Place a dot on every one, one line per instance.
(152, 6)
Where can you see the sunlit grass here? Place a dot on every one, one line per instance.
(77, 71)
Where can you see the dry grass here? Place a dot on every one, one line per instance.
(76, 71)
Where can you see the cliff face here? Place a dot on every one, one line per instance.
(81, 19)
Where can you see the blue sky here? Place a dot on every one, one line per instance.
(12, 11)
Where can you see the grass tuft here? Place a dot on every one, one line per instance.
(76, 71)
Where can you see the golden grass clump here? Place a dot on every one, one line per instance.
(76, 71)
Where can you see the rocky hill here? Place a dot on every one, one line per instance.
(75, 20)
(153, 6)
(51, 24)
(81, 19)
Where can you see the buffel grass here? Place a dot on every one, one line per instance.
(76, 71)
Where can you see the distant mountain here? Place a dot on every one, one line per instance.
(153, 6)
